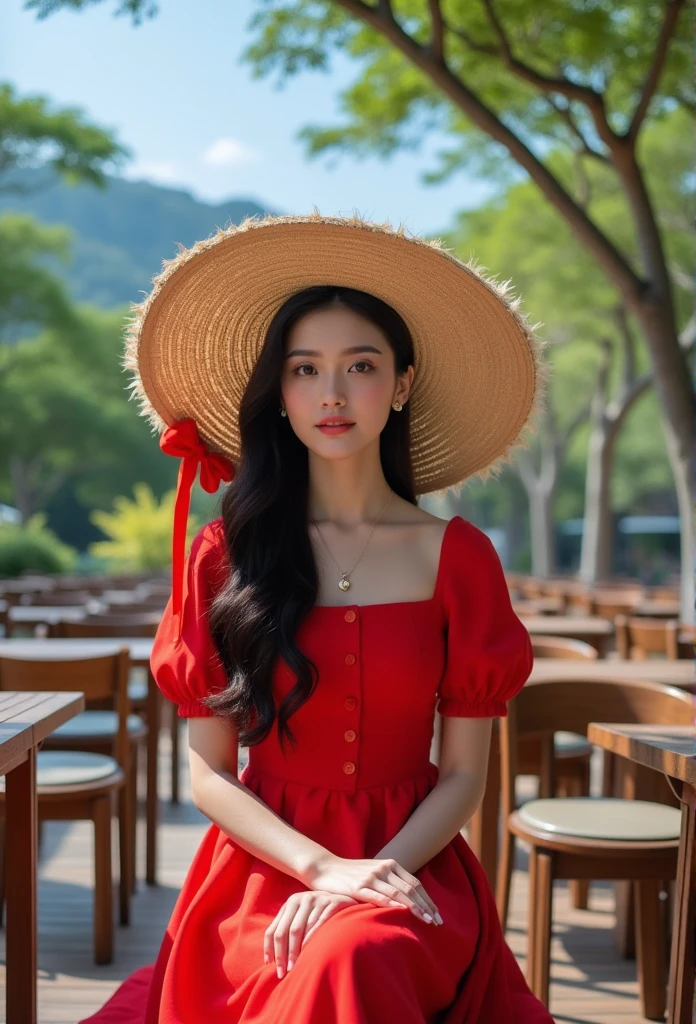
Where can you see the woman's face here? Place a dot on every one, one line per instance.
(339, 367)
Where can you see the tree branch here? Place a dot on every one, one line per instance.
(437, 39)
(672, 12)
(593, 100)
(608, 256)
(567, 115)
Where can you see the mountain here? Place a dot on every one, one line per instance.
(123, 232)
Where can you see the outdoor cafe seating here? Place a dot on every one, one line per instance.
(89, 767)
(597, 837)
(86, 784)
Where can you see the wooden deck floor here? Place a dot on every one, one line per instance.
(591, 984)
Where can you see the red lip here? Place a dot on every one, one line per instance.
(333, 425)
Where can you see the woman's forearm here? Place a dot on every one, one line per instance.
(248, 821)
(435, 822)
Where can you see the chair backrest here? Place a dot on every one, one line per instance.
(101, 678)
(544, 707)
(56, 598)
(110, 626)
(527, 606)
(136, 607)
(610, 603)
(663, 593)
(637, 637)
(562, 647)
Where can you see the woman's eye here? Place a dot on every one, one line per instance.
(363, 363)
(303, 366)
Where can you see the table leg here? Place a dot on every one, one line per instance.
(152, 796)
(21, 896)
(682, 960)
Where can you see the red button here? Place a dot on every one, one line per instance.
(348, 767)
(349, 659)
(351, 703)
(350, 735)
(350, 616)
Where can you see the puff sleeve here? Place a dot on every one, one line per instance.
(187, 670)
(489, 654)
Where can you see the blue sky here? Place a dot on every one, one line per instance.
(176, 92)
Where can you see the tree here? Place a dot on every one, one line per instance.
(61, 141)
(507, 77)
(599, 368)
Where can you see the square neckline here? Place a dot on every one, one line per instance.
(401, 604)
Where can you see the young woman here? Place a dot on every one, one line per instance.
(335, 369)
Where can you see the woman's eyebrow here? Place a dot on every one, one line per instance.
(353, 350)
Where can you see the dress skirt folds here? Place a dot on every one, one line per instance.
(359, 769)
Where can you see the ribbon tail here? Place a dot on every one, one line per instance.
(182, 505)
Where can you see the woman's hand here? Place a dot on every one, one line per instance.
(380, 881)
(298, 918)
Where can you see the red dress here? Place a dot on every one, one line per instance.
(360, 768)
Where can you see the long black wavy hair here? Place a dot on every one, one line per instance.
(273, 583)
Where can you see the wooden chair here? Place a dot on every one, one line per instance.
(78, 785)
(135, 607)
(637, 638)
(572, 751)
(57, 598)
(143, 625)
(686, 642)
(609, 603)
(595, 837)
(562, 647)
(96, 731)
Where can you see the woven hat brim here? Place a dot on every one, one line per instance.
(193, 342)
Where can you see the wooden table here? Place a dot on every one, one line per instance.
(140, 649)
(26, 719)
(656, 670)
(32, 615)
(658, 609)
(591, 628)
(671, 750)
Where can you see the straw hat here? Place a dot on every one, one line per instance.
(192, 343)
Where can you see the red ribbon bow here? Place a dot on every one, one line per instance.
(182, 441)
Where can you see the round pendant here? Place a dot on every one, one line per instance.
(343, 584)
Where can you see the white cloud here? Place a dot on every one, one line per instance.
(229, 152)
(161, 173)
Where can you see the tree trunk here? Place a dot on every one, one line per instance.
(683, 470)
(596, 552)
(541, 529)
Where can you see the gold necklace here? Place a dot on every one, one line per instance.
(344, 582)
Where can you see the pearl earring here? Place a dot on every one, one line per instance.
(283, 412)
(397, 406)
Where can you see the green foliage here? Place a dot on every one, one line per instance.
(606, 47)
(32, 546)
(80, 151)
(140, 531)
(31, 297)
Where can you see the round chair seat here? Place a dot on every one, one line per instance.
(93, 725)
(571, 744)
(71, 768)
(607, 818)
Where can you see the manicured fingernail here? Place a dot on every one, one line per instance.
(439, 919)
(291, 964)
(265, 958)
(280, 971)
(427, 917)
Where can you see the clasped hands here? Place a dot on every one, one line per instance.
(334, 883)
